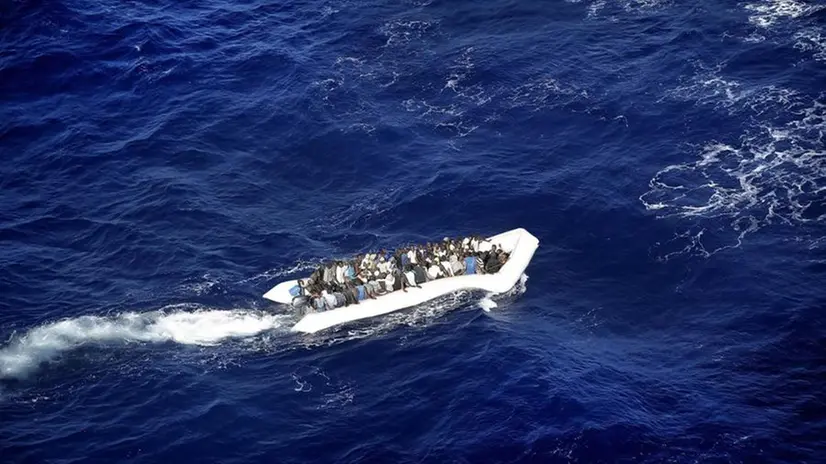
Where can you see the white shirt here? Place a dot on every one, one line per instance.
(446, 265)
(434, 272)
(329, 298)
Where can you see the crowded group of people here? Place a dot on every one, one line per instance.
(344, 282)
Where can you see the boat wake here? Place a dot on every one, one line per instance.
(192, 324)
(185, 324)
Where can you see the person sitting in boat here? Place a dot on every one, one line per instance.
(341, 300)
(456, 266)
(351, 294)
(337, 283)
(329, 300)
(373, 288)
(318, 303)
(364, 276)
(382, 266)
(410, 277)
(401, 279)
(366, 291)
(494, 260)
(349, 272)
(328, 273)
(403, 259)
(433, 270)
(390, 282)
(420, 274)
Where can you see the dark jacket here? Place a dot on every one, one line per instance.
(420, 273)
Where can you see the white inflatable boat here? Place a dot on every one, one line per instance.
(518, 242)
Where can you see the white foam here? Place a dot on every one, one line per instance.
(542, 92)
(629, 6)
(179, 324)
(811, 40)
(487, 303)
(202, 287)
(400, 32)
(595, 7)
(708, 87)
(767, 13)
(328, 11)
(774, 173)
(270, 274)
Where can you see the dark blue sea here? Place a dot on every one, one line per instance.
(164, 163)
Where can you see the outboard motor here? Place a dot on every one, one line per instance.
(300, 305)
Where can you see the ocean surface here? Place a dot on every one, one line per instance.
(164, 163)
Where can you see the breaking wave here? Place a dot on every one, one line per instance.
(184, 324)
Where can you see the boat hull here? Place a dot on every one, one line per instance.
(518, 242)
